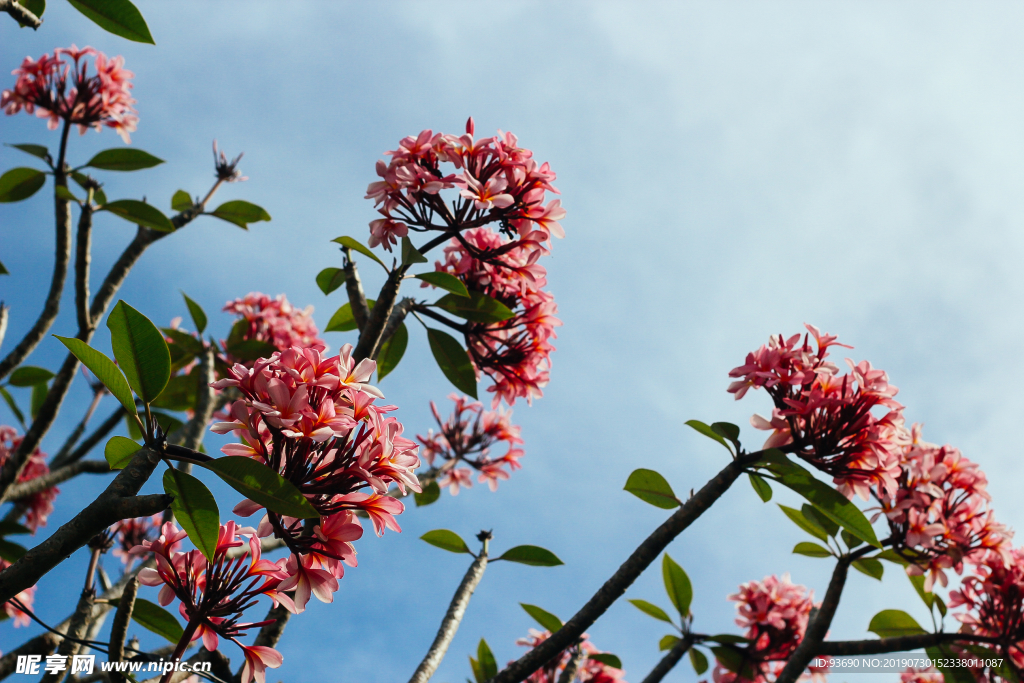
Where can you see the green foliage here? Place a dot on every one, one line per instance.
(140, 213)
(262, 485)
(28, 376)
(20, 183)
(123, 159)
(329, 279)
(485, 667)
(890, 623)
(431, 492)
(13, 405)
(344, 320)
(391, 351)
(140, 350)
(546, 619)
(410, 255)
(195, 508)
(445, 281)
(651, 609)
(446, 540)
(104, 370)
(707, 431)
(762, 487)
(478, 308)
(35, 150)
(811, 550)
(158, 620)
(119, 451)
(453, 360)
(606, 658)
(804, 523)
(698, 660)
(869, 566)
(12, 552)
(356, 245)
(181, 201)
(651, 487)
(196, 312)
(241, 213)
(531, 555)
(677, 585)
(667, 642)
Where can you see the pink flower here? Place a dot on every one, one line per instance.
(994, 601)
(591, 670)
(38, 506)
(455, 478)
(383, 231)
(134, 532)
(257, 659)
(922, 675)
(274, 321)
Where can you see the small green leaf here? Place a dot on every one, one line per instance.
(3, 270)
(869, 566)
(36, 7)
(140, 213)
(20, 183)
(546, 619)
(251, 349)
(729, 657)
(445, 281)
(652, 610)
(104, 370)
(241, 213)
(410, 255)
(119, 451)
(667, 643)
(391, 352)
(890, 623)
(197, 313)
(12, 404)
(486, 662)
(35, 150)
(762, 487)
(677, 585)
(478, 308)
(179, 394)
(850, 540)
(708, 432)
(812, 514)
(431, 492)
(158, 620)
(329, 279)
(917, 580)
(890, 555)
(64, 193)
(446, 540)
(940, 605)
(453, 361)
(726, 430)
(195, 508)
(651, 487)
(807, 525)
(140, 350)
(123, 159)
(531, 555)
(811, 550)
(12, 552)
(29, 375)
(606, 658)
(185, 342)
(39, 392)
(698, 660)
(356, 245)
(12, 528)
(343, 320)
(119, 17)
(262, 485)
(181, 201)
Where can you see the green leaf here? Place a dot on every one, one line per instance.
(9, 400)
(726, 430)
(262, 485)
(651, 487)
(869, 566)
(241, 213)
(12, 552)
(677, 585)
(651, 610)
(343, 320)
(179, 394)
(85, 182)
(453, 361)
(195, 508)
(830, 527)
(478, 308)
(251, 349)
(431, 492)
(728, 657)
(807, 525)
(181, 201)
(119, 451)
(39, 392)
(486, 662)
(954, 674)
(36, 7)
(445, 281)
(104, 370)
(29, 375)
(66, 194)
(11, 528)
(667, 643)
(546, 619)
(410, 255)
(185, 342)
(329, 279)
(123, 159)
(3, 270)
(35, 150)
(917, 580)
(698, 660)
(531, 555)
(20, 183)
(197, 313)
(850, 540)
(140, 213)
(940, 605)
(140, 350)
(156, 619)
(606, 658)
(119, 17)
(356, 245)
(890, 555)
(391, 352)
(762, 487)
(446, 540)
(811, 550)
(890, 623)
(708, 432)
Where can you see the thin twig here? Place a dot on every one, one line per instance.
(669, 661)
(51, 479)
(83, 256)
(119, 629)
(572, 667)
(62, 454)
(98, 435)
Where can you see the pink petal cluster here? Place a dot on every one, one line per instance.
(59, 89)
(498, 182)
(315, 421)
(38, 505)
(467, 437)
(25, 597)
(214, 594)
(826, 418)
(921, 675)
(131, 533)
(592, 671)
(994, 601)
(939, 516)
(275, 321)
(514, 353)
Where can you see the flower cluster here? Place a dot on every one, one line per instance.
(826, 418)
(921, 675)
(38, 506)
(500, 182)
(25, 597)
(57, 89)
(994, 599)
(939, 515)
(515, 353)
(274, 321)
(214, 594)
(591, 671)
(314, 421)
(774, 613)
(132, 533)
(467, 437)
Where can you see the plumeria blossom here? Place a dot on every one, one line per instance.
(274, 321)
(591, 671)
(921, 675)
(25, 597)
(315, 421)
(132, 533)
(466, 437)
(59, 88)
(257, 659)
(38, 506)
(829, 420)
(993, 600)
(939, 516)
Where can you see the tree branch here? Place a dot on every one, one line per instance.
(573, 665)
(90, 442)
(396, 318)
(370, 337)
(76, 631)
(83, 256)
(839, 648)
(354, 288)
(62, 455)
(669, 661)
(33, 486)
(119, 629)
(20, 14)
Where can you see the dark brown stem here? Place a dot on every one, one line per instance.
(83, 256)
(669, 661)
(33, 486)
(370, 337)
(119, 629)
(625, 575)
(41, 645)
(20, 14)
(354, 288)
(840, 648)
(397, 317)
(76, 630)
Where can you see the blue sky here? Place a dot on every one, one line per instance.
(731, 170)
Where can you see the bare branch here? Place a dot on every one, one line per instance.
(396, 318)
(20, 14)
(354, 287)
(119, 629)
(33, 486)
(42, 645)
(880, 646)
(669, 661)
(76, 630)
(370, 336)
(62, 455)
(195, 429)
(83, 256)
(90, 441)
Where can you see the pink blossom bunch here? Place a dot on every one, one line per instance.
(774, 613)
(214, 594)
(939, 516)
(274, 321)
(467, 437)
(826, 418)
(499, 182)
(921, 675)
(131, 533)
(57, 89)
(993, 598)
(314, 420)
(514, 353)
(25, 597)
(591, 671)
(38, 506)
